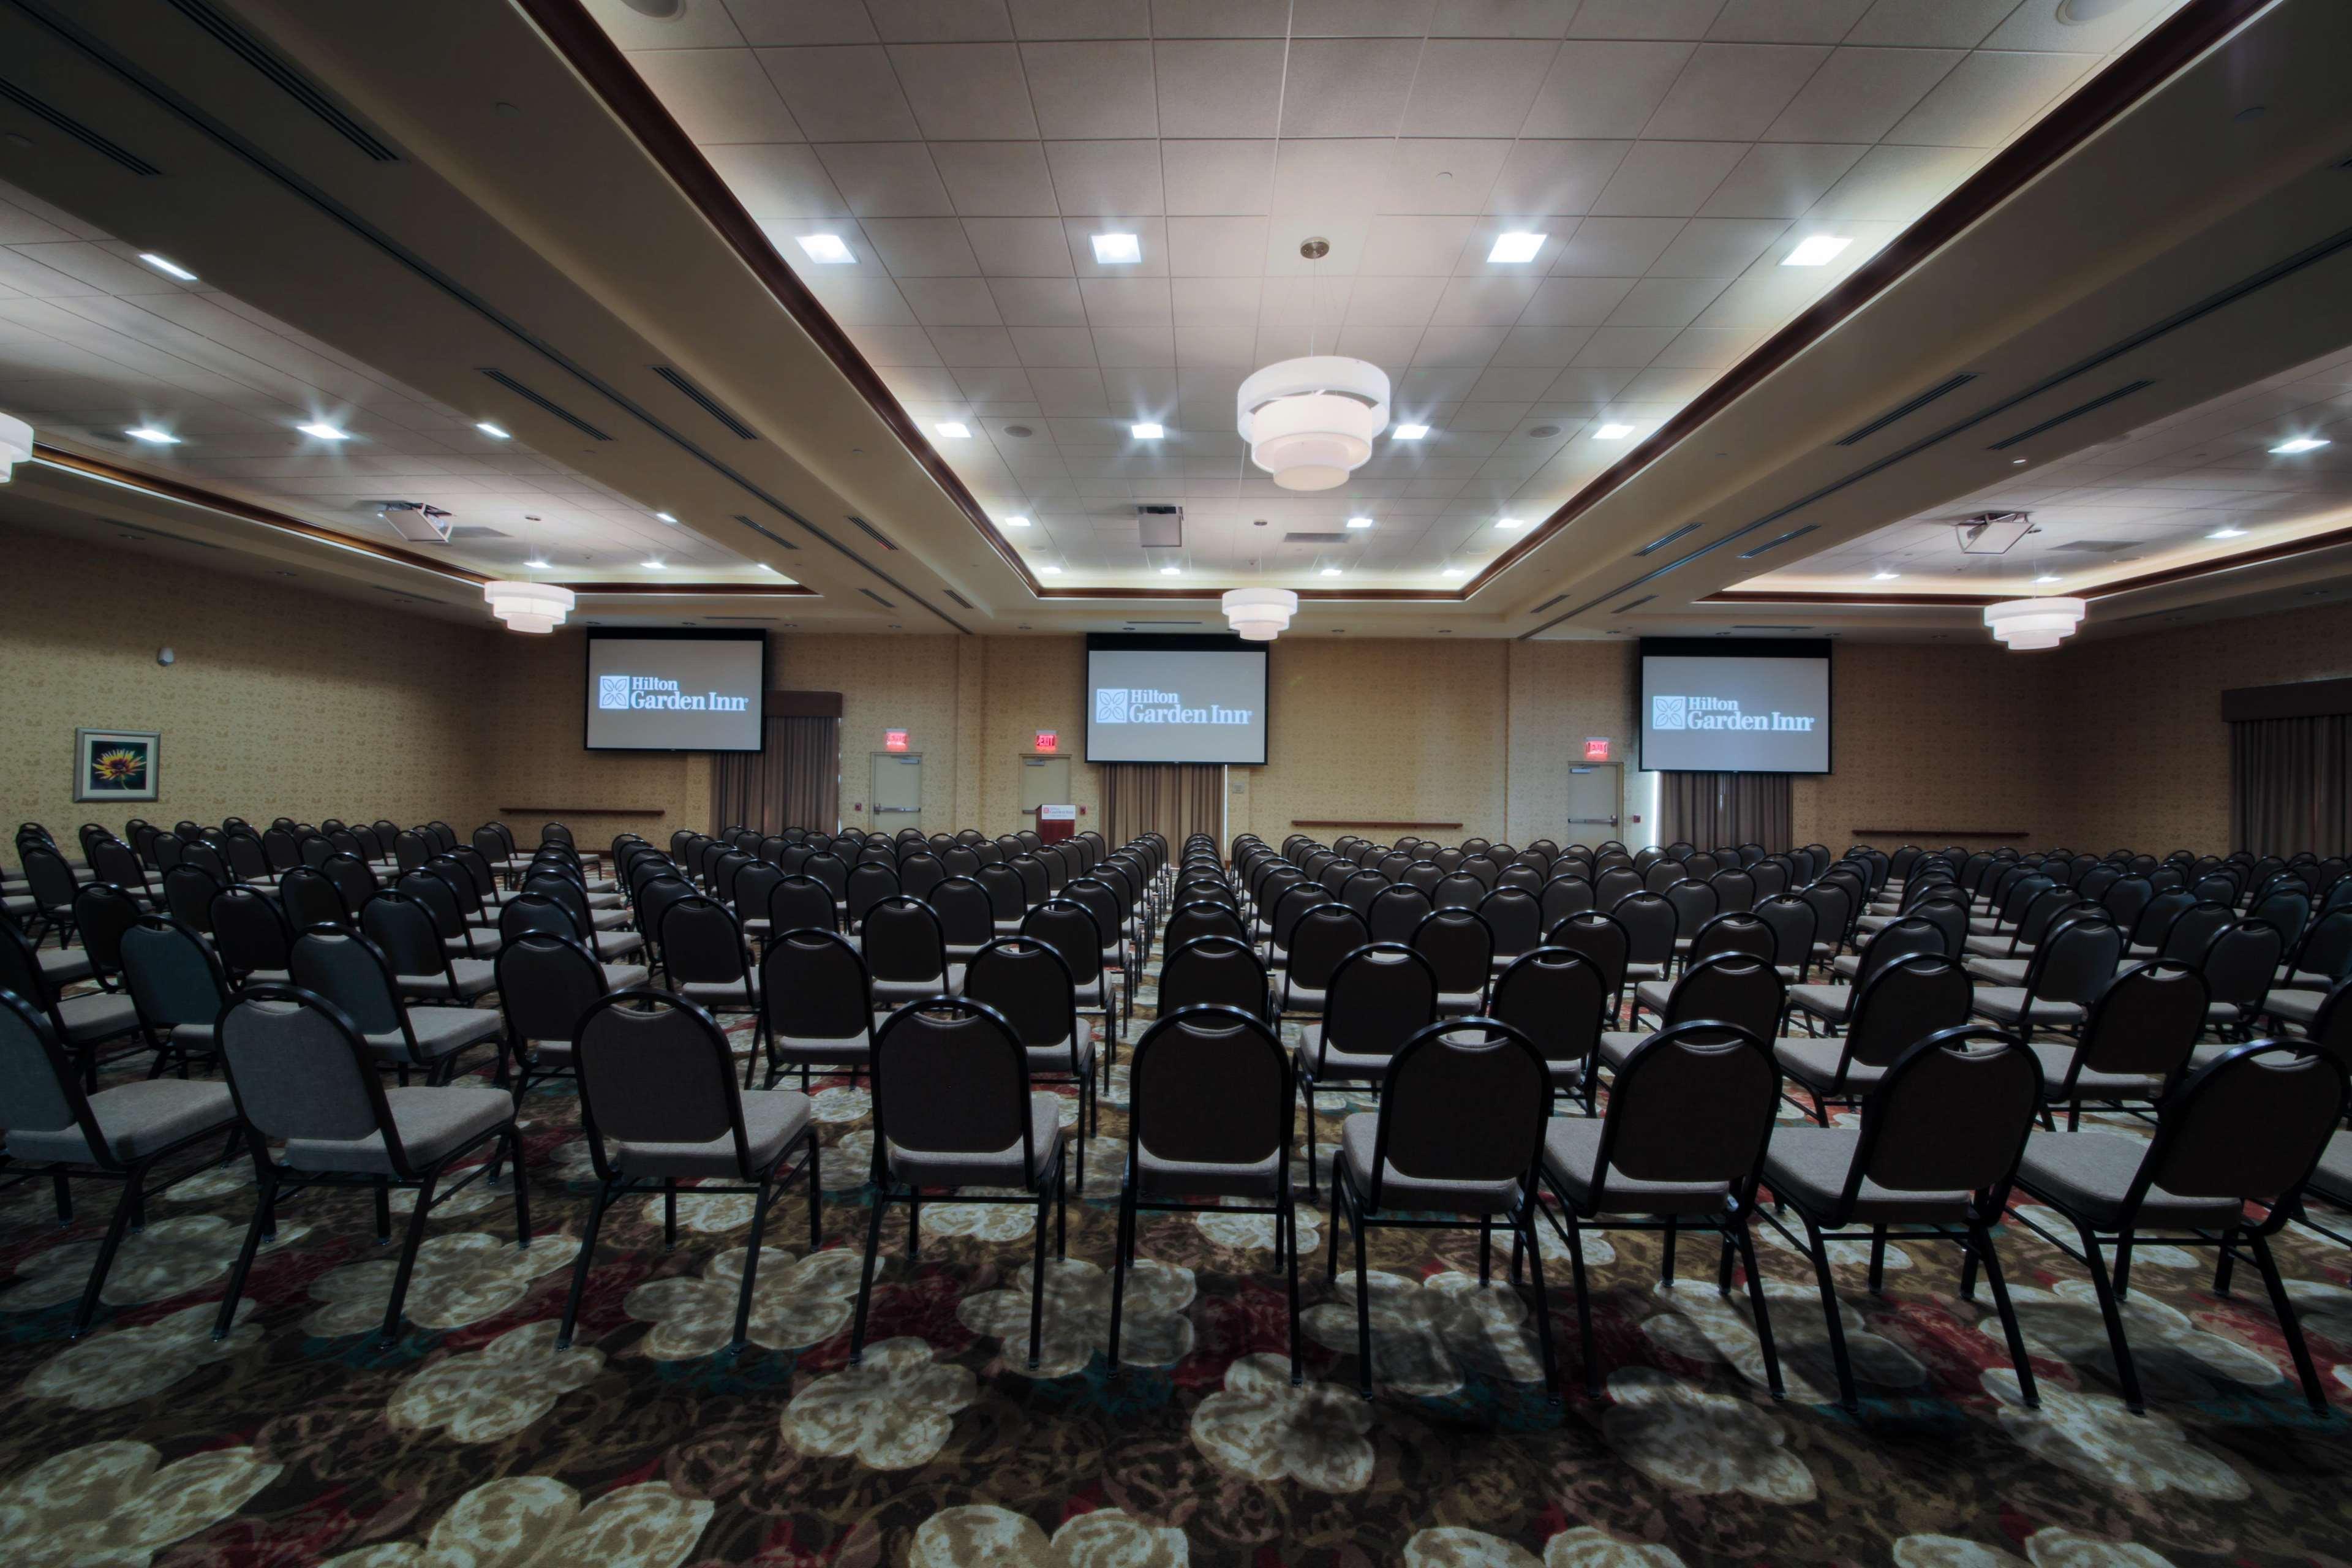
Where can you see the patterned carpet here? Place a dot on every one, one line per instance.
(475, 1444)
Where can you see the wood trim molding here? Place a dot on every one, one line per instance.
(1937, 832)
(694, 590)
(2181, 38)
(1362, 822)
(2288, 700)
(584, 811)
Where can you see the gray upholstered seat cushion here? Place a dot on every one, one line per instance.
(432, 1122)
(1829, 1002)
(1645, 971)
(1299, 998)
(2295, 1007)
(2333, 1179)
(898, 993)
(2086, 1175)
(1089, 996)
(1055, 1057)
(1997, 971)
(1158, 1179)
(2006, 1004)
(64, 965)
(740, 996)
(1653, 995)
(135, 1119)
(988, 1168)
(1454, 1003)
(1846, 966)
(97, 1015)
(621, 977)
(1337, 1066)
(1808, 1165)
(474, 977)
(270, 977)
(773, 1118)
(2056, 1056)
(1814, 1064)
(1358, 1136)
(1571, 1154)
(1617, 1046)
(855, 1047)
(439, 1031)
(612, 944)
(1989, 947)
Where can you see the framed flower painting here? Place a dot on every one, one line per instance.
(116, 765)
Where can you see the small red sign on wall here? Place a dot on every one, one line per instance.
(894, 740)
(1049, 740)
(1596, 748)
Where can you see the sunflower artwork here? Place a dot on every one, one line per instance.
(115, 765)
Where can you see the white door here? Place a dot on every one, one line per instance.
(1044, 781)
(898, 790)
(1596, 799)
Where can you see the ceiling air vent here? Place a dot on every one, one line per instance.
(1632, 603)
(60, 120)
(707, 403)
(769, 534)
(1319, 539)
(959, 598)
(286, 79)
(2125, 390)
(872, 532)
(877, 598)
(1664, 539)
(1902, 410)
(528, 395)
(2098, 546)
(1548, 603)
(475, 531)
(1775, 543)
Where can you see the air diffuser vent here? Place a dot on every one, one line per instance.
(1318, 539)
(872, 532)
(769, 534)
(61, 120)
(285, 77)
(707, 403)
(528, 395)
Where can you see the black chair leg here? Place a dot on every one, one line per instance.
(669, 1215)
(1583, 1303)
(752, 1264)
(866, 1276)
(1763, 1313)
(512, 1142)
(1061, 1208)
(816, 1195)
(1312, 1190)
(580, 1266)
(1666, 1255)
(1363, 1295)
(1878, 1260)
(1037, 1287)
(1980, 1244)
(914, 1224)
(2283, 1305)
(1118, 1268)
(383, 1211)
(1486, 1250)
(1524, 1222)
(2122, 1265)
(1288, 1222)
(2125, 1373)
(1820, 1250)
(115, 1227)
(408, 1257)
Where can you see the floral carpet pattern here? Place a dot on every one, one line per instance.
(473, 1442)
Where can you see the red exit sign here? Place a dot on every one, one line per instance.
(894, 740)
(1049, 740)
(1596, 748)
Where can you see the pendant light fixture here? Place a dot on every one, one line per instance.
(16, 444)
(1310, 421)
(2026, 624)
(536, 607)
(1259, 615)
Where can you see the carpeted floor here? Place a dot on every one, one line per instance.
(473, 1442)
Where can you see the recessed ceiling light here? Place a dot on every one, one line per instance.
(2300, 444)
(1146, 431)
(1117, 249)
(954, 429)
(1510, 522)
(1330, 571)
(1016, 522)
(655, 565)
(827, 248)
(536, 564)
(763, 566)
(1359, 523)
(666, 518)
(2017, 462)
(1171, 571)
(1510, 250)
(1049, 570)
(154, 437)
(170, 268)
(1885, 577)
(1815, 251)
(1450, 571)
(2227, 533)
(492, 431)
(1409, 432)
(323, 432)
(1613, 432)
(2047, 577)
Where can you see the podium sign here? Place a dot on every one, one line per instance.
(1056, 823)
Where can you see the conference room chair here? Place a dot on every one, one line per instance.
(1210, 1121)
(70, 1132)
(111, 860)
(52, 884)
(83, 1021)
(351, 972)
(188, 892)
(1396, 912)
(905, 952)
(1832, 1002)
(2073, 963)
(1215, 971)
(418, 946)
(657, 1080)
(816, 1006)
(302, 1074)
(1461, 950)
(601, 929)
(1380, 995)
(1008, 896)
(1200, 918)
(866, 885)
(1560, 1000)
(1030, 986)
(2248, 1128)
(1514, 920)
(1322, 935)
(704, 959)
(1652, 921)
(178, 987)
(546, 983)
(2313, 1014)
(2138, 1039)
(1738, 987)
(1455, 1142)
(1906, 998)
(2239, 966)
(2322, 956)
(1070, 930)
(953, 1108)
(1933, 1160)
(1735, 930)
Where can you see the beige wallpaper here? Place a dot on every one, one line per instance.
(280, 701)
(1563, 693)
(535, 767)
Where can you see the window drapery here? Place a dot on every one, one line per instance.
(792, 781)
(1719, 810)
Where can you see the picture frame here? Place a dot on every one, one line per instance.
(116, 765)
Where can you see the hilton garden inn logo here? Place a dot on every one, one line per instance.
(1720, 713)
(651, 691)
(1142, 705)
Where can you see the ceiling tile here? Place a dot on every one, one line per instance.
(1988, 98)
(1347, 87)
(1126, 301)
(951, 302)
(1733, 90)
(965, 91)
(1929, 23)
(1668, 385)
(1547, 346)
(1626, 348)
(1359, 19)
(1474, 87)
(922, 248)
(1150, 233)
(1211, 347)
(1075, 392)
(797, 21)
(1086, 91)
(1859, 94)
(1400, 302)
(1515, 385)
(1335, 176)
(1666, 301)
(2044, 27)
(1038, 301)
(886, 179)
(1082, 19)
(1020, 246)
(1555, 176)
(1415, 246)
(976, 346)
(996, 179)
(1054, 347)
(1644, 18)
(1895, 184)
(1220, 18)
(1500, 18)
(1707, 348)
(1484, 301)
(1575, 301)
(1215, 301)
(1121, 347)
(845, 93)
(1714, 247)
(1216, 247)
(982, 387)
(1664, 179)
(1449, 175)
(1219, 88)
(938, 21)
(704, 25)
(1780, 179)
(1788, 21)
(862, 301)
(896, 345)
(1605, 88)
(1106, 179)
(1465, 346)
(776, 182)
(1614, 247)
(1764, 299)
(1587, 384)
(1388, 346)
(1217, 178)
(717, 95)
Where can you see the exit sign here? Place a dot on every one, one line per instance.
(894, 740)
(1049, 740)
(1596, 748)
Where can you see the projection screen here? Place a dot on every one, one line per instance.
(1175, 699)
(675, 691)
(1754, 705)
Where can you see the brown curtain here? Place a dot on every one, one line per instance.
(2291, 785)
(1719, 810)
(792, 781)
(1170, 798)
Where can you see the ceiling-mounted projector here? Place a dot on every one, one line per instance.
(415, 522)
(1160, 527)
(1992, 532)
